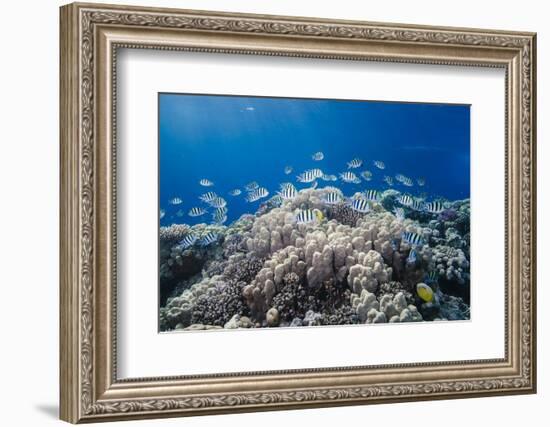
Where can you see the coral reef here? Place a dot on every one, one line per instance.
(267, 270)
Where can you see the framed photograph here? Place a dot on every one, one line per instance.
(266, 212)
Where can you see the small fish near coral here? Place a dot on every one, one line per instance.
(298, 233)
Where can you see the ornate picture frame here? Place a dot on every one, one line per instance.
(90, 37)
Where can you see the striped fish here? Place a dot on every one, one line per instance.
(421, 182)
(277, 200)
(434, 207)
(209, 238)
(235, 192)
(411, 259)
(405, 200)
(175, 201)
(284, 185)
(332, 198)
(407, 181)
(251, 186)
(219, 217)
(257, 194)
(318, 156)
(379, 164)
(288, 170)
(355, 163)
(372, 195)
(220, 211)
(350, 178)
(317, 173)
(399, 177)
(206, 182)
(412, 239)
(208, 197)
(307, 176)
(188, 241)
(308, 216)
(366, 175)
(431, 277)
(399, 213)
(360, 205)
(196, 212)
(417, 205)
(388, 180)
(288, 192)
(218, 202)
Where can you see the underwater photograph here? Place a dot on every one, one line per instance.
(293, 212)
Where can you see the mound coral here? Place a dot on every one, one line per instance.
(346, 268)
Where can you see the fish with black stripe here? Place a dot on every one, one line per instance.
(188, 241)
(360, 205)
(308, 216)
(434, 207)
(412, 239)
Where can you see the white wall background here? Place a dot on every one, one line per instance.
(29, 170)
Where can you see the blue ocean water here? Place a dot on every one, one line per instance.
(233, 140)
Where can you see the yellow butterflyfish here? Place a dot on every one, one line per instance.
(425, 292)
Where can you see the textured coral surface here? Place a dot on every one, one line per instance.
(268, 270)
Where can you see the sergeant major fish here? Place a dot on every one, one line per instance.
(188, 241)
(360, 205)
(431, 277)
(379, 164)
(257, 194)
(175, 201)
(434, 207)
(372, 195)
(411, 259)
(218, 202)
(219, 217)
(208, 197)
(355, 163)
(193, 212)
(412, 239)
(306, 177)
(350, 178)
(405, 200)
(308, 216)
(209, 238)
(288, 192)
(206, 182)
(417, 205)
(407, 182)
(332, 198)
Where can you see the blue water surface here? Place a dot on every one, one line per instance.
(232, 140)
